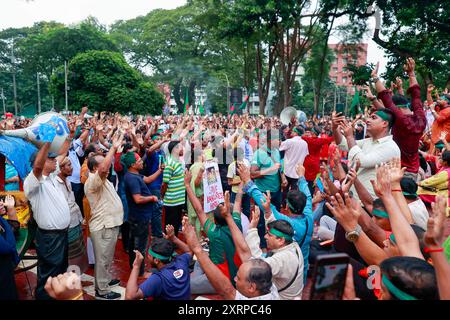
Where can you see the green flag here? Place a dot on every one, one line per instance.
(355, 102)
(186, 101)
(244, 103)
(232, 109)
(201, 108)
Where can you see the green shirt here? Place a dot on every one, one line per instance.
(263, 160)
(174, 177)
(222, 251)
(194, 169)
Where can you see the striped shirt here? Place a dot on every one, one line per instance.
(174, 177)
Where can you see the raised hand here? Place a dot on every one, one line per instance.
(382, 186)
(225, 208)
(396, 171)
(434, 237)
(300, 170)
(349, 180)
(374, 72)
(117, 141)
(348, 129)
(65, 286)
(430, 88)
(399, 82)
(170, 232)
(138, 259)
(187, 177)
(190, 235)
(265, 201)
(346, 213)
(410, 65)
(255, 218)
(243, 172)
(9, 201)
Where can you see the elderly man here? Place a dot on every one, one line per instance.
(106, 218)
(253, 279)
(77, 251)
(50, 211)
(380, 147)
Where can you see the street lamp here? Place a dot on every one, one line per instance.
(228, 91)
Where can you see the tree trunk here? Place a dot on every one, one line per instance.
(177, 95)
(191, 93)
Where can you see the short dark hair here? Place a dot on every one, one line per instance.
(284, 227)
(90, 148)
(92, 162)
(260, 273)
(298, 200)
(172, 145)
(399, 99)
(378, 203)
(446, 156)
(163, 247)
(411, 275)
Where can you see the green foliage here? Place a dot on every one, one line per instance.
(104, 81)
(360, 74)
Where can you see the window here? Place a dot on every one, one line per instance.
(344, 61)
(335, 69)
(344, 80)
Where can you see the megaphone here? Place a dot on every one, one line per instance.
(31, 133)
(290, 112)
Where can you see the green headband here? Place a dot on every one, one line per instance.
(160, 257)
(409, 194)
(439, 145)
(280, 234)
(297, 131)
(396, 291)
(405, 106)
(383, 115)
(380, 213)
(291, 206)
(392, 238)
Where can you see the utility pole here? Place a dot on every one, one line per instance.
(4, 105)
(228, 92)
(13, 63)
(65, 85)
(38, 92)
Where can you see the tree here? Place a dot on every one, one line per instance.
(104, 81)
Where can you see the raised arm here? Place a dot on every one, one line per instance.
(104, 167)
(347, 215)
(434, 237)
(170, 235)
(406, 239)
(194, 200)
(240, 244)
(218, 280)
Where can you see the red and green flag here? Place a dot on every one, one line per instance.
(244, 103)
(232, 109)
(186, 101)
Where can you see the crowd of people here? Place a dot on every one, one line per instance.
(375, 187)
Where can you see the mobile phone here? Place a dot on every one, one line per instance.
(329, 274)
(339, 108)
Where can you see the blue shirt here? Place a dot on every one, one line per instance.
(171, 282)
(303, 224)
(134, 184)
(11, 172)
(151, 166)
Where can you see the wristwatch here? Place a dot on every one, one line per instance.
(374, 79)
(352, 236)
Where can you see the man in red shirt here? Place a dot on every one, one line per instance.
(410, 119)
(312, 160)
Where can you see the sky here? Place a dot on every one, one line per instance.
(23, 13)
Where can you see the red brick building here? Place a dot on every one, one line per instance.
(346, 54)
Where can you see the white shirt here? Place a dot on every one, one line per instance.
(50, 208)
(284, 263)
(296, 150)
(74, 153)
(75, 212)
(370, 153)
(272, 295)
(419, 213)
